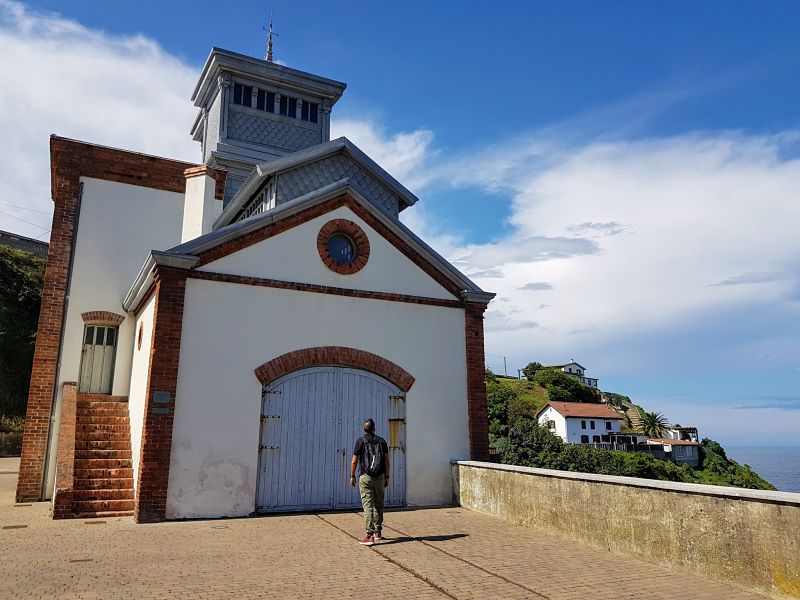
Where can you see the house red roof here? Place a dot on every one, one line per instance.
(583, 410)
(671, 442)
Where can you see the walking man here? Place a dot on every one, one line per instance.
(372, 454)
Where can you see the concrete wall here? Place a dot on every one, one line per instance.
(743, 537)
(118, 225)
(140, 370)
(229, 330)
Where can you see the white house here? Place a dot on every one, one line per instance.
(580, 422)
(683, 452)
(575, 370)
(213, 335)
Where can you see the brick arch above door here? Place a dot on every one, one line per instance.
(334, 355)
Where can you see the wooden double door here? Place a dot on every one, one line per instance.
(310, 421)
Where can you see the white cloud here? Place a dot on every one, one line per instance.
(403, 154)
(76, 82)
(701, 213)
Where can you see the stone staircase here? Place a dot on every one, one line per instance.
(635, 418)
(103, 472)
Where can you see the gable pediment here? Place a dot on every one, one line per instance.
(281, 247)
(279, 181)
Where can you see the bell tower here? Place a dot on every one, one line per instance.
(253, 110)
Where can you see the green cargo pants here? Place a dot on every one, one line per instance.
(371, 489)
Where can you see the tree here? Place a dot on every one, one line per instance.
(530, 370)
(21, 281)
(653, 424)
(565, 388)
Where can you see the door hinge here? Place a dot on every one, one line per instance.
(268, 447)
(266, 393)
(397, 397)
(265, 417)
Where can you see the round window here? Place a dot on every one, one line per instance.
(343, 246)
(341, 249)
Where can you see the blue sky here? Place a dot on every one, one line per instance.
(634, 166)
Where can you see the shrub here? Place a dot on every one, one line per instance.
(12, 424)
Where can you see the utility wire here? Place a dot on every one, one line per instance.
(44, 212)
(21, 219)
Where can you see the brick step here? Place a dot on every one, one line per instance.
(104, 473)
(95, 506)
(81, 427)
(121, 411)
(103, 494)
(103, 483)
(102, 444)
(101, 420)
(100, 398)
(98, 435)
(104, 514)
(102, 463)
(99, 453)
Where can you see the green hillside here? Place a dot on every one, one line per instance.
(517, 438)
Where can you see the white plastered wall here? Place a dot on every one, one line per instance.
(293, 256)
(140, 370)
(117, 226)
(551, 414)
(229, 330)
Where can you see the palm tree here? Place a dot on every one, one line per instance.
(653, 424)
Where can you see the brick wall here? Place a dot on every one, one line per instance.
(69, 161)
(151, 490)
(476, 388)
(65, 460)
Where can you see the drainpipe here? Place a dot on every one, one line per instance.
(50, 427)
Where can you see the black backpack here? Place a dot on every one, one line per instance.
(373, 456)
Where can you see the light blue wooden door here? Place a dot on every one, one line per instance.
(367, 396)
(310, 422)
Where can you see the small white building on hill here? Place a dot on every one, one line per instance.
(579, 422)
(576, 370)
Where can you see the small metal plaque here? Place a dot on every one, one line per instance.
(160, 410)
(161, 397)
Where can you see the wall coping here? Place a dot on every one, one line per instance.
(789, 498)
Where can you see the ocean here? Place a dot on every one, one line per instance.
(780, 465)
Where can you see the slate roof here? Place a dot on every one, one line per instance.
(314, 154)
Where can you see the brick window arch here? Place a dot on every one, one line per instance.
(102, 317)
(334, 355)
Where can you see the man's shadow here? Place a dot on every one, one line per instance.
(422, 538)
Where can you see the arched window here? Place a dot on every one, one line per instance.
(584, 439)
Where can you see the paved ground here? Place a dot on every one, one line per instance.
(437, 553)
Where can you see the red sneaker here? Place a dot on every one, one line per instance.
(377, 536)
(367, 541)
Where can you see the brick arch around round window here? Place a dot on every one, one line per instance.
(334, 355)
(102, 317)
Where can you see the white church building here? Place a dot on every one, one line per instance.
(213, 335)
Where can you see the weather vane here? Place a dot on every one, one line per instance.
(268, 57)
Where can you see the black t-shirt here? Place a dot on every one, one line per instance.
(359, 451)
